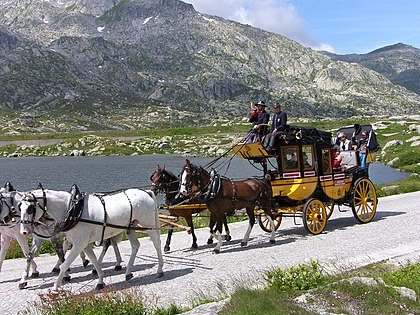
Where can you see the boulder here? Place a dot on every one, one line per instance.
(392, 143)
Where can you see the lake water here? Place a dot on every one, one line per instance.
(107, 173)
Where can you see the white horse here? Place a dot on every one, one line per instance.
(10, 229)
(102, 217)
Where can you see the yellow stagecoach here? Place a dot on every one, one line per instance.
(305, 182)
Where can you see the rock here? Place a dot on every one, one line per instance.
(390, 163)
(414, 138)
(415, 143)
(393, 143)
(407, 293)
(414, 127)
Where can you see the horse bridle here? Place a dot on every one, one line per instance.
(194, 180)
(33, 200)
(160, 186)
(12, 211)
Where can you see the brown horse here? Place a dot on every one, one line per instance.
(164, 181)
(232, 195)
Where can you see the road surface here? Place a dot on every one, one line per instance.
(191, 274)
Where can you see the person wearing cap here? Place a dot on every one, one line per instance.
(259, 122)
(278, 125)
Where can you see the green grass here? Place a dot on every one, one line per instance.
(334, 294)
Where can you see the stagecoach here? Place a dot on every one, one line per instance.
(305, 182)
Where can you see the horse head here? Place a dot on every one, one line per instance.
(193, 179)
(9, 197)
(163, 181)
(32, 208)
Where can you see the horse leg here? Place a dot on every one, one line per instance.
(167, 247)
(219, 222)
(91, 254)
(189, 220)
(273, 230)
(251, 220)
(55, 241)
(29, 260)
(225, 223)
(66, 244)
(155, 237)
(135, 245)
(75, 250)
(114, 242)
(4, 246)
(211, 226)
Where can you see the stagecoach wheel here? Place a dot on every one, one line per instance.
(364, 200)
(265, 223)
(314, 216)
(329, 208)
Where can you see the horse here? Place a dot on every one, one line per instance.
(101, 216)
(164, 181)
(233, 195)
(9, 229)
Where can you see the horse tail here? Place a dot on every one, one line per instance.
(152, 194)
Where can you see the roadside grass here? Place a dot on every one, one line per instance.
(303, 289)
(345, 293)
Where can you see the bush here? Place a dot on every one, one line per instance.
(111, 302)
(302, 277)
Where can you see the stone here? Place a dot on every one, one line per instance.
(392, 143)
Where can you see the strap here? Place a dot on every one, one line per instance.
(105, 218)
(131, 213)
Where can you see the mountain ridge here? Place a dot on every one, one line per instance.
(122, 55)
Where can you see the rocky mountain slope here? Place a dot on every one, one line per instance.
(102, 57)
(400, 63)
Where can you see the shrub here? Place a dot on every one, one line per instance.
(302, 277)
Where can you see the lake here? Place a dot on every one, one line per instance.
(107, 173)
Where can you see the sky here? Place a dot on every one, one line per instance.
(339, 26)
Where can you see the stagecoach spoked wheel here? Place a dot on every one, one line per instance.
(365, 200)
(265, 224)
(314, 216)
(329, 208)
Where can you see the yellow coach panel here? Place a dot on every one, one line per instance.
(336, 188)
(295, 189)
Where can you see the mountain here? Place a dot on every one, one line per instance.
(103, 57)
(400, 63)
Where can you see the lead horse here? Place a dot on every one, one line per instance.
(9, 229)
(164, 181)
(102, 216)
(233, 195)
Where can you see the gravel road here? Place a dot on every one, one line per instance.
(393, 234)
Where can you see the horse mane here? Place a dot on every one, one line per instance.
(170, 174)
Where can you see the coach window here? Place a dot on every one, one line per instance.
(308, 157)
(326, 161)
(290, 159)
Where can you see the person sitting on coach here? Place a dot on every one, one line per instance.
(259, 123)
(278, 126)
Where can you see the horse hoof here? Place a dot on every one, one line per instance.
(166, 249)
(86, 263)
(243, 244)
(55, 270)
(209, 241)
(273, 241)
(216, 251)
(22, 285)
(94, 272)
(118, 268)
(159, 274)
(228, 238)
(66, 278)
(100, 286)
(128, 277)
(194, 246)
(35, 274)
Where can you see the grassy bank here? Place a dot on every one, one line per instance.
(380, 289)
